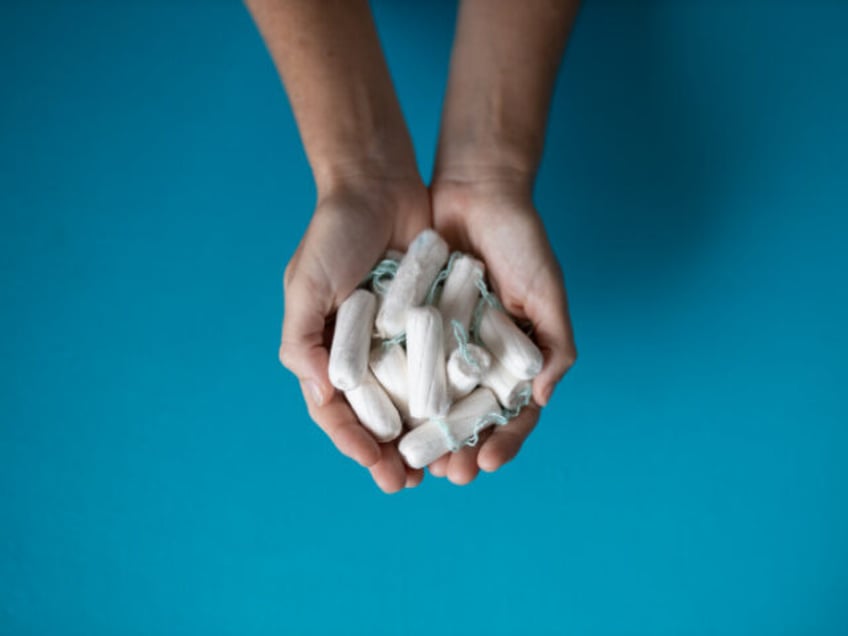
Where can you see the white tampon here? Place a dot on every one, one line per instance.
(388, 364)
(460, 295)
(425, 444)
(416, 272)
(508, 344)
(352, 340)
(508, 389)
(415, 422)
(374, 409)
(425, 358)
(464, 373)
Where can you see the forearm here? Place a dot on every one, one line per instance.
(503, 68)
(329, 58)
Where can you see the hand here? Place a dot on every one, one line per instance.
(352, 227)
(496, 221)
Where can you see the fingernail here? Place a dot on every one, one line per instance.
(315, 392)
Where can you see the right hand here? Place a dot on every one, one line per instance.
(352, 227)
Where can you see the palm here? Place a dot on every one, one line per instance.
(347, 236)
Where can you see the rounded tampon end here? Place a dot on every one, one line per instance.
(416, 272)
(423, 445)
(428, 243)
(352, 340)
(511, 346)
(374, 409)
(508, 389)
(465, 369)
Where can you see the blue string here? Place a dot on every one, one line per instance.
(488, 296)
(487, 299)
(498, 419)
(398, 339)
(436, 285)
(523, 399)
(380, 276)
(462, 344)
(453, 444)
(490, 418)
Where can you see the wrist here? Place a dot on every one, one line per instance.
(489, 200)
(483, 173)
(389, 196)
(362, 162)
(484, 158)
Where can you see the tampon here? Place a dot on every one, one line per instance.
(508, 389)
(374, 409)
(508, 344)
(460, 295)
(352, 340)
(425, 357)
(416, 272)
(464, 373)
(425, 444)
(388, 364)
(415, 422)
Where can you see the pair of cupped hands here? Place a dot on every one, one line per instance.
(355, 222)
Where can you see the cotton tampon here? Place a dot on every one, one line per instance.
(428, 442)
(416, 272)
(415, 422)
(459, 296)
(425, 357)
(508, 344)
(352, 340)
(389, 366)
(508, 389)
(464, 373)
(374, 409)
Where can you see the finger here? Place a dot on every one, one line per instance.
(302, 349)
(505, 441)
(547, 309)
(414, 476)
(463, 468)
(439, 468)
(389, 472)
(337, 420)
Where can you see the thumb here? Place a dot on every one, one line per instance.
(548, 311)
(302, 349)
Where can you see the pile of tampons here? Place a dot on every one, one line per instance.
(424, 347)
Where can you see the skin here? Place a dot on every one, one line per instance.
(371, 196)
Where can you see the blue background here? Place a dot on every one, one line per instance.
(158, 472)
